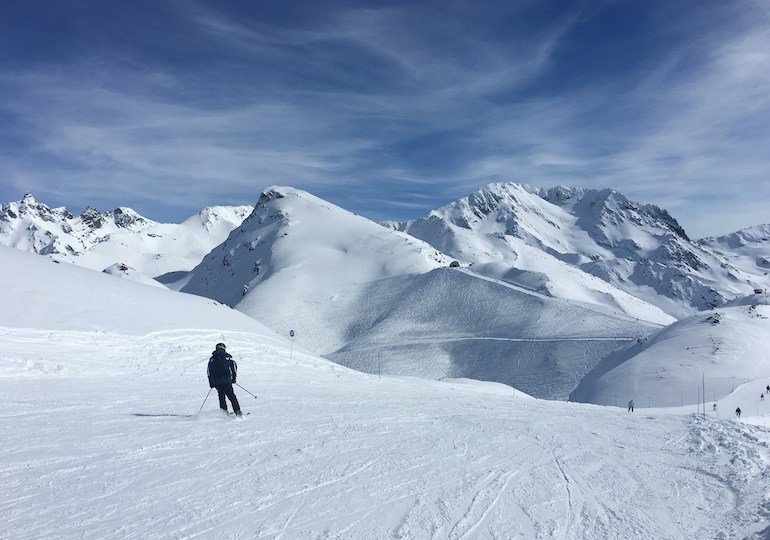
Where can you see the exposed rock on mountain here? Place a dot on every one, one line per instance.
(638, 248)
(97, 240)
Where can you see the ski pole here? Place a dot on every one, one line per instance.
(242, 388)
(204, 401)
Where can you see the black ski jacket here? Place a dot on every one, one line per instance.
(222, 368)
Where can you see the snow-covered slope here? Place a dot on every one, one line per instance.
(638, 248)
(383, 302)
(99, 375)
(454, 323)
(98, 240)
(43, 294)
(298, 262)
(725, 348)
(747, 250)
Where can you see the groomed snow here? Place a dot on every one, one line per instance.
(92, 446)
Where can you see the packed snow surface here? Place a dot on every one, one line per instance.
(102, 438)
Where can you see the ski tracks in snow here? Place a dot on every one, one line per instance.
(327, 453)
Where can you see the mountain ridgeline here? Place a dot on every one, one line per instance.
(98, 240)
(640, 249)
(526, 286)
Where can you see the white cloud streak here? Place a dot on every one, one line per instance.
(691, 138)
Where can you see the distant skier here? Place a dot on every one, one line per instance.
(761, 397)
(738, 413)
(222, 371)
(714, 407)
(631, 406)
(768, 388)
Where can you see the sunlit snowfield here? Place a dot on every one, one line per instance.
(102, 380)
(329, 453)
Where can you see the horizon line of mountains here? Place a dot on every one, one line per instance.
(600, 232)
(557, 277)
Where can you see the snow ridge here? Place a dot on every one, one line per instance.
(638, 248)
(98, 240)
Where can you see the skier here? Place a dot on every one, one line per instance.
(714, 407)
(761, 397)
(768, 388)
(222, 371)
(631, 406)
(738, 413)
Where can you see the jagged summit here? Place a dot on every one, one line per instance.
(639, 248)
(98, 239)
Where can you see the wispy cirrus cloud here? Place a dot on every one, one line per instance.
(388, 110)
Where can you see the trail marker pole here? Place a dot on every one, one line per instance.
(291, 353)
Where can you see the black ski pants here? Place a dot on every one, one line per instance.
(227, 390)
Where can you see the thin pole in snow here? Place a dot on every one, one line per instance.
(204, 401)
(703, 375)
(291, 350)
(699, 399)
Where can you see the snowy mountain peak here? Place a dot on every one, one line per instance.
(212, 217)
(92, 217)
(29, 207)
(759, 234)
(639, 248)
(561, 195)
(126, 218)
(97, 240)
(317, 253)
(606, 209)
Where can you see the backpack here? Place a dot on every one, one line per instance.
(219, 367)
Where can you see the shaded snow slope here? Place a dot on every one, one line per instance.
(454, 323)
(727, 347)
(102, 438)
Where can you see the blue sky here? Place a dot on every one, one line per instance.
(388, 109)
